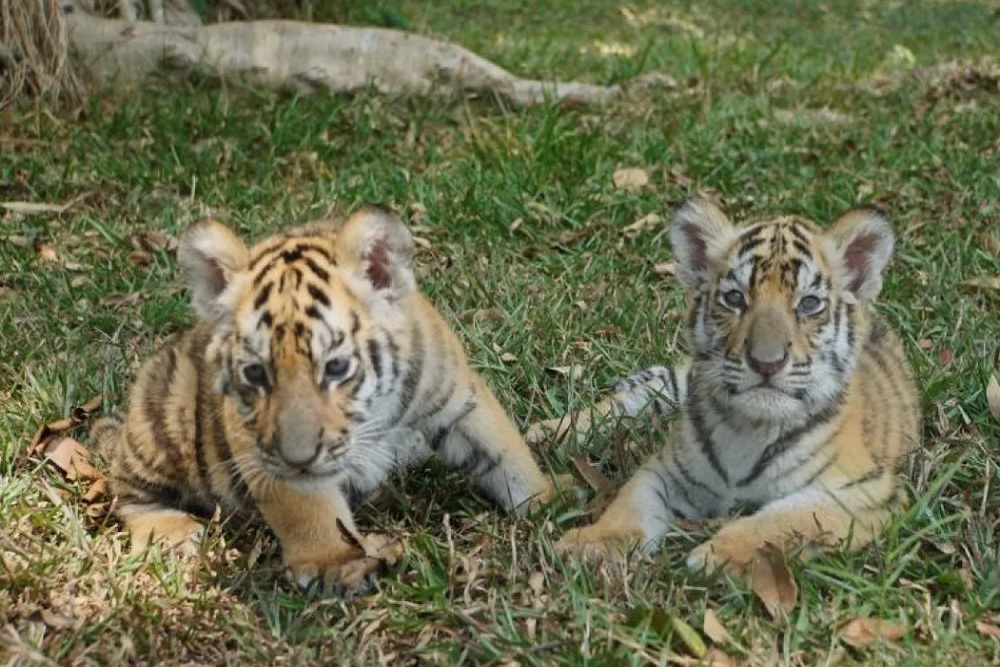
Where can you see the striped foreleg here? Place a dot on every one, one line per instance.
(655, 391)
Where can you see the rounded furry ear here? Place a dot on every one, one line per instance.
(210, 254)
(379, 249)
(864, 241)
(699, 232)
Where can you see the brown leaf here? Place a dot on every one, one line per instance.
(589, 473)
(925, 344)
(987, 629)
(376, 546)
(630, 178)
(77, 415)
(993, 397)
(946, 356)
(714, 629)
(864, 631)
(97, 490)
(772, 581)
(508, 357)
(72, 458)
(983, 282)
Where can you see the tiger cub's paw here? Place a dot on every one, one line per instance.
(724, 553)
(548, 429)
(334, 568)
(597, 542)
(174, 530)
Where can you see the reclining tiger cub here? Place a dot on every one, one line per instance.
(315, 370)
(798, 401)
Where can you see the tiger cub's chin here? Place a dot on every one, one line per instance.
(314, 371)
(798, 401)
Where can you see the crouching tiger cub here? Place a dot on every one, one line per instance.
(798, 403)
(315, 369)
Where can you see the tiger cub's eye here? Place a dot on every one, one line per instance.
(338, 369)
(810, 305)
(255, 375)
(735, 299)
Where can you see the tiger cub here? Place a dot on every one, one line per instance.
(315, 370)
(797, 408)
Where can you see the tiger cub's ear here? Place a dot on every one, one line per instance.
(377, 248)
(863, 239)
(210, 254)
(699, 234)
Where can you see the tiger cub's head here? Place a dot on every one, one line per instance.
(301, 332)
(777, 306)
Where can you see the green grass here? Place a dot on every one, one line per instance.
(567, 286)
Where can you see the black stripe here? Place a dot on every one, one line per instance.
(707, 446)
(688, 476)
(318, 294)
(145, 490)
(790, 439)
(375, 356)
(263, 295)
(155, 407)
(411, 377)
(318, 270)
(870, 476)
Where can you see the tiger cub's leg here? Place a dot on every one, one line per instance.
(639, 516)
(813, 518)
(155, 523)
(313, 545)
(141, 499)
(657, 390)
(489, 448)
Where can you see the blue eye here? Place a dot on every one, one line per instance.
(734, 299)
(810, 305)
(338, 369)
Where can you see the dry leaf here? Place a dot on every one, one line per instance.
(97, 490)
(381, 548)
(946, 356)
(865, 631)
(46, 252)
(574, 371)
(664, 268)
(508, 357)
(714, 629)
(647, 221)
(630, 178)
(925, 344)
(514, 226)
(589, 473)
(77, 415)
(993, 397)
(772, 581)
(983, 282)
(72, 458)
(987, 629)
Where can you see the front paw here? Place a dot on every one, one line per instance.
(597, 542)
(724, 553)
(333, 567)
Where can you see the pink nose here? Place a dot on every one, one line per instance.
(767, 368)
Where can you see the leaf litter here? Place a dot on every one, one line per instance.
(772, 581)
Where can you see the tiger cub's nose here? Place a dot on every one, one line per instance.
(767, 368)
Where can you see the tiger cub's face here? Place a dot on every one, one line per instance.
(299, 334)
(775, 303)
